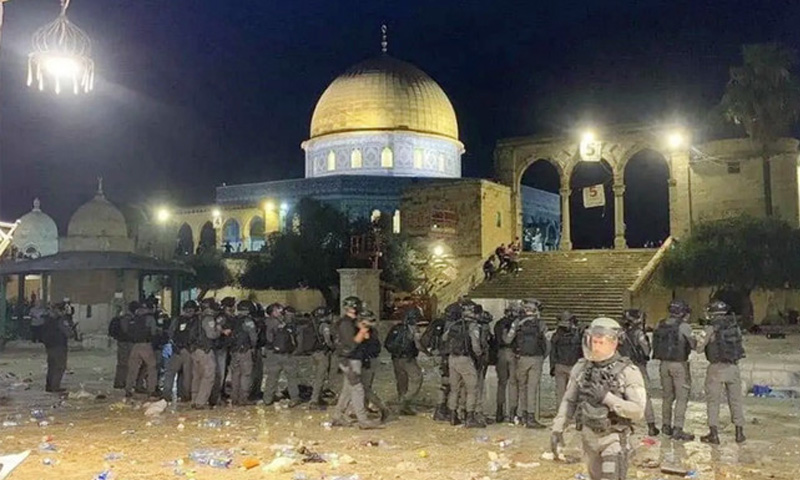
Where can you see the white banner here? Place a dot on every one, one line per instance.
(594, 196)
(591, 150)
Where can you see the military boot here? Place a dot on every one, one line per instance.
(681, 436)
(499, 417)
(652, 431)
(531, 422)
(442, 413)
(474, 421)
(740, 435)
(454, 420)
(712, 437)
(521, 418)
(666, 430)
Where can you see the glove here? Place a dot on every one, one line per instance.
(598, 392)
(553, 372)
(556, 440)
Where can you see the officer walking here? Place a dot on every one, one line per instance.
(506, 366)
(370, 350)
(117, 330)
(723, 349)
(565, 352)
(141, 330)
(55, 337)
(281, 343)
(260, 320)
(351, 333)
(401, 342)
(203, 360)
(634, 344)
(672, 343)
(529, 337)
(244, 340)
(463, 342)
(180, 363)
(605, 395)
(321, 357)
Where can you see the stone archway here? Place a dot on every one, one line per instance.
(231, 235)
(257, 233)
(592, 227)
(185, 241)
(208, 237)
(646, 177)
(540, 186)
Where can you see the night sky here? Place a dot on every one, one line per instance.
(192, 94)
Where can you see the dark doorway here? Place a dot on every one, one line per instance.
(646, 200)
(541, 207)
(592, 227)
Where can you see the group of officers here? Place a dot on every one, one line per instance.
(599, 370)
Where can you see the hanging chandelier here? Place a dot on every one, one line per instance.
(61, 56)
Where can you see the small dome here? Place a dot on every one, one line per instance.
(384, 93)
(97, 218)
(37, 233)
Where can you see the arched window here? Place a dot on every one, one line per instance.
(396, 222)
(331, 161)
(376, 214)
(441, 162)
(387, 158)
(418, 156)
(355, 159)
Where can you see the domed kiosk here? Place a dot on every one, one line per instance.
(37, 234)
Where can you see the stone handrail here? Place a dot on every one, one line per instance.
(463, 283)
(646, 274)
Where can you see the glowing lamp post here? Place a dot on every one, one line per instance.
(61, 56)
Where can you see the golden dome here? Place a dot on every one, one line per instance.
(384, 93)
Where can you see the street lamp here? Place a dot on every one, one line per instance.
(163, 215)
(61, 55)
(676, 140)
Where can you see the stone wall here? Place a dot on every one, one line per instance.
(95, 294)
(304, 300)
(497, 224)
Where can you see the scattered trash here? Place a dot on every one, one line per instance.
(548, 456)
(249, 463)
(527, 465)
(82, 393)
(300, 476)
(104, 475)
(212, 458)
(674, 471)
(212, 423)
(580, 476)
(155, 408)
(128, 432)
(494, 466)
(482, 438)
(10, 423)
(47, 447)
(44, 423)
(691, 474)
(423, 454)
(180, 427)
(327, 425)
(347, 459)
(649, 441)
(650, 463)
(9, 462)
(38, 414)
(112, 456)
(279, 464)
(505, 443)
(47, 461)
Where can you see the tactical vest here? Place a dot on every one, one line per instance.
(530, 341)
(597, 416)
(52, 336)
(500, 330)
(431, 338)
(284, 341)
(200, 340)
(458, 341)
(140, 330)
(627, 348)
(226, 322)
(668, 343)
(727, 344)
(241, 337)
(567, 347)
(182, 335)
(400, 342)
(125, 322)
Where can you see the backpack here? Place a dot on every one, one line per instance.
(308, 340)
(431, 339)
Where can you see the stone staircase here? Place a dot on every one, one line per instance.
(589, 283)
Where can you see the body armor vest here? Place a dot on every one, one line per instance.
(598, 417)
(530, 341)
(400, 343)
(284, 339)
(726, 347)
(199, 338)
(140, 330)
(241, 337)
(668, 343)
(567, 347)
(182, 335)
(458, 341)
(629, 348)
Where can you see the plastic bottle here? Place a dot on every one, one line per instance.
(219, 462)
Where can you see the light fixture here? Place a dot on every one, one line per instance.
(676, 140)
(163, 215)
(588, 136)
(269, 206)
(284, 207)
(216, 213)
(61, 55)
(438, 250)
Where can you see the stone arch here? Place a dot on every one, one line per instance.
(526, 163)
(591, 228)
(232, 235)
(645, 179)
(256, 229)
(633, 151)
(540, 202)
(185, 240)
(208, 237)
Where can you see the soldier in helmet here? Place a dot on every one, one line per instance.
(117, 330)
(281, 342)
(463, 339)
(634, 344)
(672, 343)
(321, 356)
(529, 337)
(402, 342)
(370, 350)
(55, 337)
(605, 395)
(723, 349)
(506, 367)
(222, 346)
(141, 330)
(244, 340)
(204, 365)
(180, 363)
(565, 352)
(431, 343)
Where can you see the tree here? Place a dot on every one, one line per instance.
(735, 256)
(211, 273)
(763, 96)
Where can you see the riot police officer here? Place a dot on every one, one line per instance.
(529, 337)
(204, 365)
(433, 345)
(370, 350)
(605, 395)
(281, 343)
(56, 331)
(463, 339)
(180, 363)
(117, 330)
(672, 343)
(321, 356)
(244, 340)
(401, 342)
(141, 330)
(723, 349)
(565, 352)
(226, 320)
(634, 344)
(506, 366)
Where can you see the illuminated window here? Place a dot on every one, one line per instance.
(355, 159)
(331, 160)
(441, 162)
(417, 158)
(376, 215)
(396, 222)
(387, 158)
(443, 220)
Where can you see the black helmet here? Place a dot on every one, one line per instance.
(679, 307)
(469, 310)
(289, 311)
(718, 307)
(132, 306)
(367, 316)
(321, 312)
(228, 302)
(531, 305)
(245, 306)
(413, 315)
(353, 302)
(567, 319)
(633, 316)
(209, 303)
(274, 308)
(190, 305)
(485, 317)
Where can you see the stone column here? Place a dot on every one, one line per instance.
(566, 234)
(619, 214)
(680, 195)
(364, 283)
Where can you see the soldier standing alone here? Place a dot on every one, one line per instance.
(55, 337)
